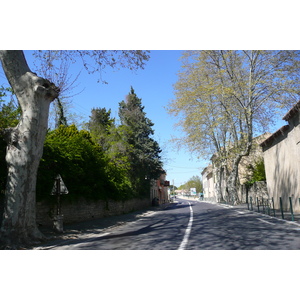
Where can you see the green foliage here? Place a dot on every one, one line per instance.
(100, 125)
(129, 147)
(9, 112)
(173, 188)
(104, 162)
(111, 139)
(257, 172)
(82, 164)
(193, 182)
(9, 117)
(144, 151)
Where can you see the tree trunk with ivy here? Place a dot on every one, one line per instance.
(24, 149)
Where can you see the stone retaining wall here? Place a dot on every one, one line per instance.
(83, 210)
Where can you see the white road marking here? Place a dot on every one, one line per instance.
(224, 206)
(187, 231)
(266, 221)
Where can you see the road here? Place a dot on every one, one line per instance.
(193, 225)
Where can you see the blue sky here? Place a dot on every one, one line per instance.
(154, 84)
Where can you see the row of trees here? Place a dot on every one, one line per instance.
(225, 98)
(193, 182)
(130, 146)
(105, 161)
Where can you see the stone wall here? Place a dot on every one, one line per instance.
(83, 210)
(257, 190)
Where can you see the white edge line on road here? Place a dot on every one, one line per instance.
(187, 231)
(274, 218)
(266, 221)
(260, 214)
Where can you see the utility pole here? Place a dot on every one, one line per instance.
(173, 188)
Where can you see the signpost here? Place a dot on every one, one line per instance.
(59, 188)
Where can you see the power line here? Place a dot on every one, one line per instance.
(180, 172)
(184, 167)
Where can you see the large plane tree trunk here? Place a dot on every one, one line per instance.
(232, 180)
(218, 185)
(24, 149)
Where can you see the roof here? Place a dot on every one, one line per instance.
(295, 109)
(208, 169)
(291, 113)
(271, 138)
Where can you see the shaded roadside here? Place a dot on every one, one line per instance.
(90, 228)
(269, 211)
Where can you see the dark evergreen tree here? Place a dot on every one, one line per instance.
(100, 125)
(144, 157)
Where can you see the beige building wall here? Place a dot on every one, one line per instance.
(282, 164)
(208, 182)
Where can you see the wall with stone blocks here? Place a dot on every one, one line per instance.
(83, 210)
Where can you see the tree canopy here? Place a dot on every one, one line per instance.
(96, 163)
(223, 98)
(193, 182)
(144, 155)
(93, 61)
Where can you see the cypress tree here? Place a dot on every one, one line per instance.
(145, 159)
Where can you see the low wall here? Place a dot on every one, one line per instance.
(257, 190)
(83, 210)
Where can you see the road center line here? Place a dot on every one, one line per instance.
(187, 231)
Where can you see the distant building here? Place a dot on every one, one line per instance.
(159, 189)
(208, 182)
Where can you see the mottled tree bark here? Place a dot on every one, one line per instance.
(232, 181)
(24, 149)
(218, 186)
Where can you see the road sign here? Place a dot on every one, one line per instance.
(193, 191)
(59, 187)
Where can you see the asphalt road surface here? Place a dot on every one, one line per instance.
(193, 225)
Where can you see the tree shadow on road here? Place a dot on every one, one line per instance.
(213, 228)
(156, 234)
(227, 230)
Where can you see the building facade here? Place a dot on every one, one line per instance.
(160, 189)
(208, 182)
(282, 161)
